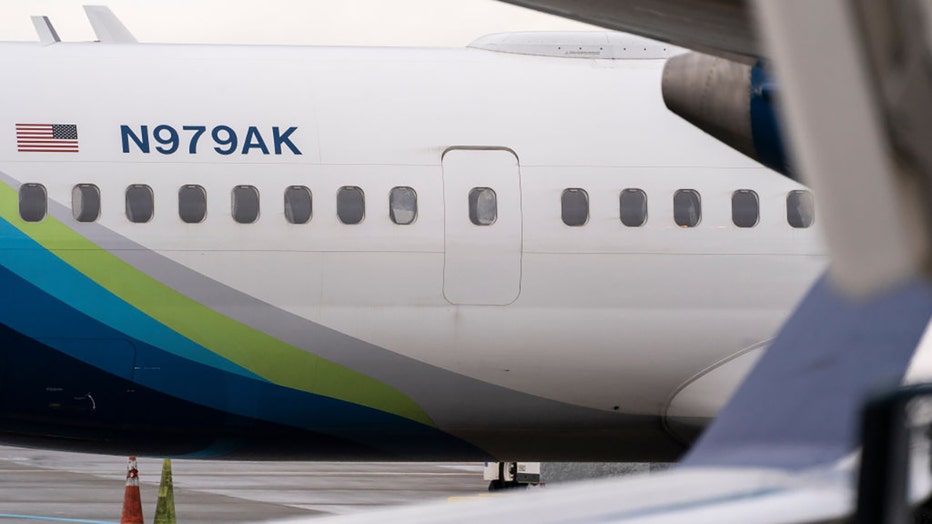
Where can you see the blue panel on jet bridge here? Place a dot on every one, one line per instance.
(800, 406)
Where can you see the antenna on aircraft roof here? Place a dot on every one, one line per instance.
(47, 33)
(107, 26)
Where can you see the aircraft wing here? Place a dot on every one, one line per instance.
(696, 496)
(718, 27)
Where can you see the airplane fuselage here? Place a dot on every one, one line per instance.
(371, 253)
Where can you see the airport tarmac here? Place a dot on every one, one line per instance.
(49, 486)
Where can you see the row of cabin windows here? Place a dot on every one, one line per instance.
(192, 204)
(402, 205)
(687, 208)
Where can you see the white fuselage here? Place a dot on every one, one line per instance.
(602, 316)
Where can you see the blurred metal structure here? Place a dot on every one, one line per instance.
(849, 136)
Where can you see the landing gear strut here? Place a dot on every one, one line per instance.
(511, 475)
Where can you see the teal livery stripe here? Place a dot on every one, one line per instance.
(82, 400)
(51, 400)
(36, 265)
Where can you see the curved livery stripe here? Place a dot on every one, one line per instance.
(59, 261)
(34, 264)
(187, 413)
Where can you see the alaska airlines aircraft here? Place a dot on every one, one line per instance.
(509, 251)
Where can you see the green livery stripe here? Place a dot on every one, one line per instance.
(266, 356)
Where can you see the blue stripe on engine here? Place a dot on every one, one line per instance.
(765, 128)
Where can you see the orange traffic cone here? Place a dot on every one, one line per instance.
(132, 503)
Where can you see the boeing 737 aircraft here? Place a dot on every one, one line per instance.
(509, 251)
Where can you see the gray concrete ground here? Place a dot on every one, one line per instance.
(49, 486)
(67, 487)
(555, 472)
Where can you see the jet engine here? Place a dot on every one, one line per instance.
(731, 100)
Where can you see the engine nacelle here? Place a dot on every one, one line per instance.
(732, 101)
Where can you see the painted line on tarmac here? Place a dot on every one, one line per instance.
(471, 498)
(52, 519)
(247, 473)
(52, 470)
(374, 473)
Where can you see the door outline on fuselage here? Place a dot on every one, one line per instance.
(491, 277)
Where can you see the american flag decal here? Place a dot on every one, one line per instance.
(47, 138)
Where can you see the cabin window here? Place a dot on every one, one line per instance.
(483, 206)
(192, 204)
(245, 204)
(298, 205)
(687, 208)
(402, 205)
(351, 205)
(85, 202)
(140, 203)
(745, 208)
(800, 209)
(33, 202)
(632, 207)
(574, 205)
